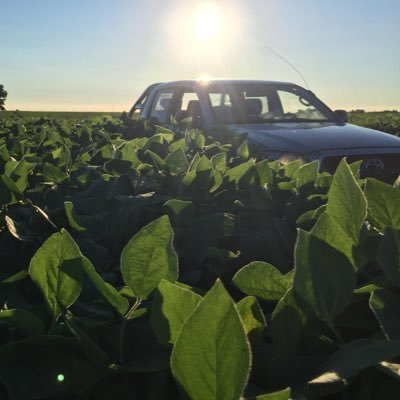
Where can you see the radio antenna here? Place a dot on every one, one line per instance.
(290, 65)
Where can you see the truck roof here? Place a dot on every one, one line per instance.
(193, 82)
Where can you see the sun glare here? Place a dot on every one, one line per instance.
(203, 37)
(207, 22)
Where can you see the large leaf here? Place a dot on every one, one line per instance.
(307, 173)
(331, 231)
(386, 306)
(57, 270)
(383, 203)
(53, 174)
(23, 320)
(288, 321)
(172, 305)
(177, 161)
(129, 153)
(111, 294)
(262, 280)
(389, 255)
(324, 279)
(346, 202)
(356, 356)
(211, 357)
(149, 257)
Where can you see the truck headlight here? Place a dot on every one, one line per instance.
(290, 157)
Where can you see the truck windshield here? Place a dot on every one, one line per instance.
(257, 103)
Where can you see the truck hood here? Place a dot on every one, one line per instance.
(303, 138)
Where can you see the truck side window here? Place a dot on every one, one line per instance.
(221, 104)
(189, 110)
(161, 106)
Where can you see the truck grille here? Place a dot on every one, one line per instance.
(373, 165)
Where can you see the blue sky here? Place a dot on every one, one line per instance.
(100, 55)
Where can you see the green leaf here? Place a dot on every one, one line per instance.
(383, 203)
(219, 162)
(386, 306)
(217, 181)
(177, 161)
(23, 320)
(211, 357)
(355, 168)
(262, 280)
(164, 133)
(16, 277)
(291, 168)
(241, 175)
(129, 153)
(203, 174)
(199, 140)
(118, 167)
(172, 305)
(181, 143)
(72, 217)
(356, 356)
(252, 317)
(53, 174)
(57, 270)
(157, 160)
(4, 153)
(307, 173)
(194, 162)
(281, 395)
(346, 202)
(10, 193)
(18, 172)
(288, 321)
(324, 279)
(179, 210)
(204, 165)
(330, 231)
(108, 292)
(243, 150)
(264, 171)
(311, 215)
(149, 257)
(389, 255)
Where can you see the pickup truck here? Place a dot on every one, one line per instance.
(282, 120)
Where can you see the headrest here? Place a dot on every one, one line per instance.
(193, 107)
(181, 114)
(254, 106)
(164, 102)
(223, 114)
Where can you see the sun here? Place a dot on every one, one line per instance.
(207, 23)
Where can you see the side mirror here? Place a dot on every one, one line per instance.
(343, 115)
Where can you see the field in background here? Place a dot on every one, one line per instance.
(386, 121)
(58, 114)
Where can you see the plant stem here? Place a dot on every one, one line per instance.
(335, 332)
(125, 319)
